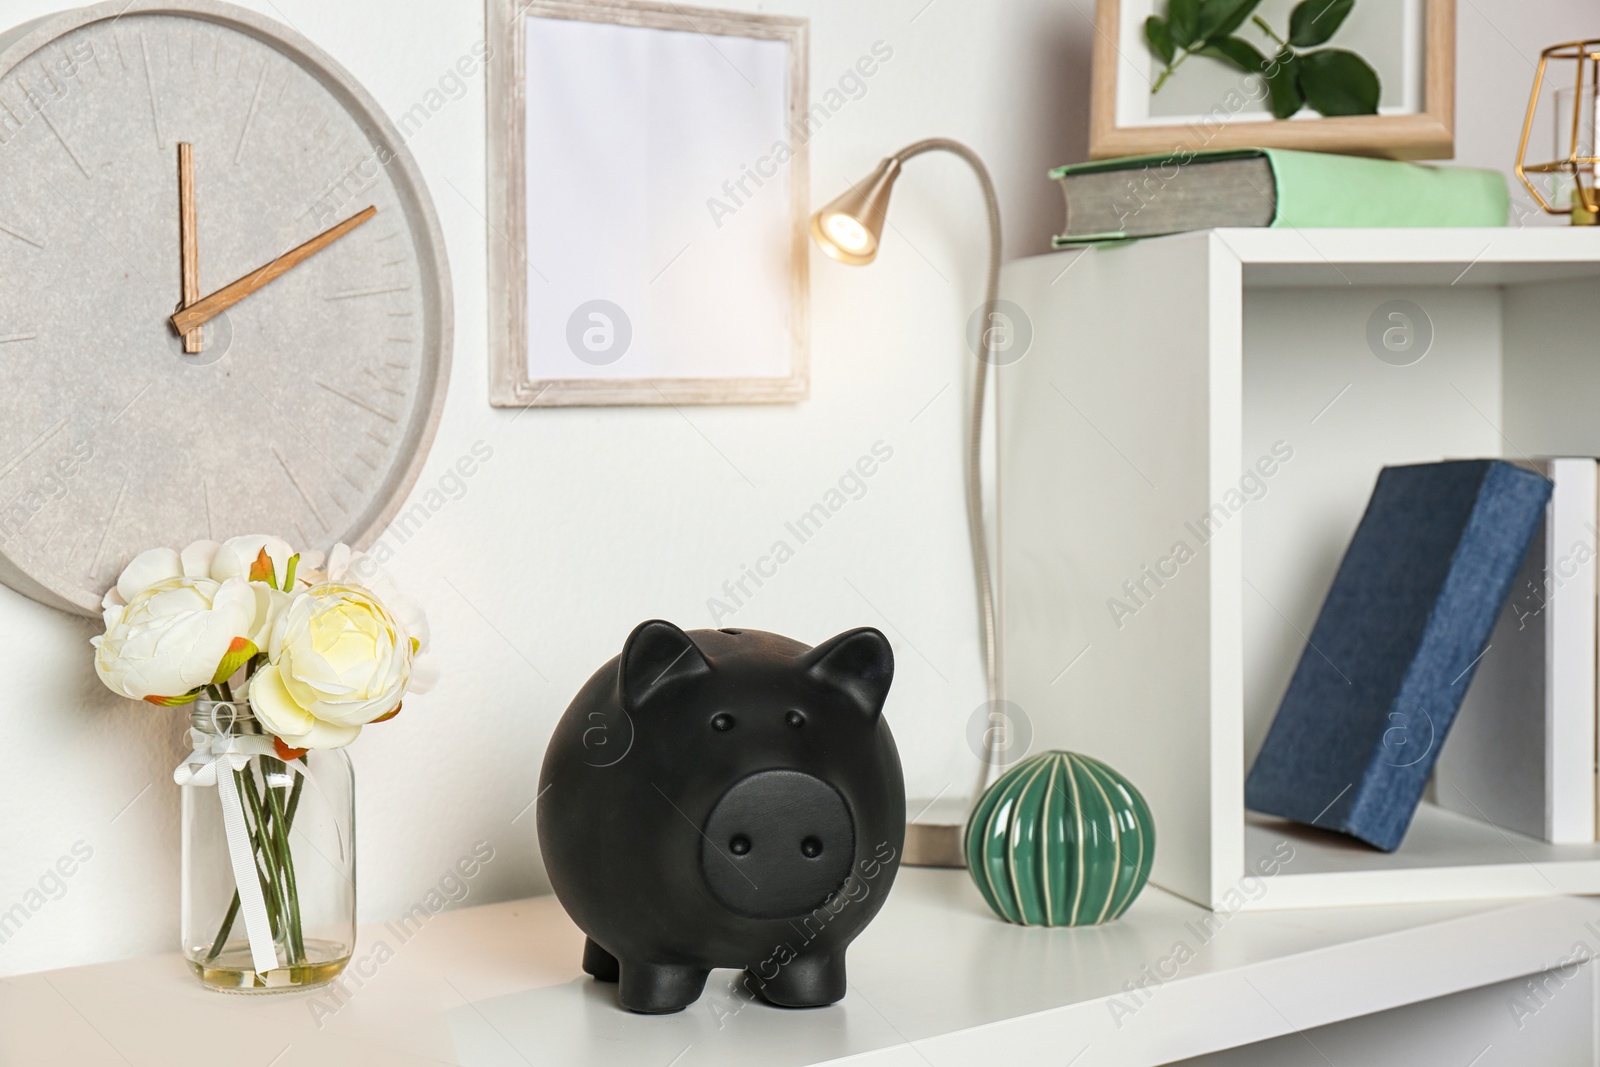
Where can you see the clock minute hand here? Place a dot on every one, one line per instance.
(203, 310)
(189, 243)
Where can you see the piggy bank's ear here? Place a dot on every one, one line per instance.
(657, 654)
(859, 663)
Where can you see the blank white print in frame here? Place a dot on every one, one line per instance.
(651, 158)
(312, 401)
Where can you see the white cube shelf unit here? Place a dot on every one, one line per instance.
(1184, 452)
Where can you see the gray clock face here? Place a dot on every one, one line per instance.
(313, 401)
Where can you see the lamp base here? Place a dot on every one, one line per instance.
(933, 845)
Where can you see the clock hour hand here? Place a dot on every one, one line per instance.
(204, 310)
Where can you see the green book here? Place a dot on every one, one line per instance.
(1146, 196)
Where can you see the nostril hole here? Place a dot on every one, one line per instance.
(722, 722)
(811, 848)
(741, 844)
(731, 633)
(795, 719)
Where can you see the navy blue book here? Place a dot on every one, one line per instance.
(1394, 648)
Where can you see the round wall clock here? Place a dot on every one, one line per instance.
(226, 306)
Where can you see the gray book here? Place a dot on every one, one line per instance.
(1146, 201)
(1144, 196)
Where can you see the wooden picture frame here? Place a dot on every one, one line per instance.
(1428, 132)
(732, 326)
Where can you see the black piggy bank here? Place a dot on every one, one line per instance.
(725, 798)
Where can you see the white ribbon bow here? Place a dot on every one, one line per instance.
(205, 767)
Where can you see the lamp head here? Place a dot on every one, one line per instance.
(849, 227)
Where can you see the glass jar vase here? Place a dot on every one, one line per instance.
(287, 825)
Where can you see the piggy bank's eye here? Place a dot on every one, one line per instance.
(722, 722)
(795, 719)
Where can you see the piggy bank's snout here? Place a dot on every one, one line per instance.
(777, 844)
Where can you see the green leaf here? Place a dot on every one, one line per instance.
(1183, 17)
(1283, 85)
(1314, 21)
(1219, 18)
(173, 702)
(1238, 52)
(240, 651)
(1337, 82)
(1159, 37)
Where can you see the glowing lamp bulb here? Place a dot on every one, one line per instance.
(848, 234)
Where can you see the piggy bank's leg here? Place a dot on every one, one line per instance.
(599, 963)
(807, 981)
(660, 988)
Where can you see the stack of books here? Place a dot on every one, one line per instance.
(1147, 196)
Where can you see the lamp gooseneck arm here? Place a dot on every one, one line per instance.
(974, 479)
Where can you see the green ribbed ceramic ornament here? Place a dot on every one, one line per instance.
(1060, 840)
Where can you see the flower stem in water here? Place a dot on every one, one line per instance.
(226, 928)
(291, 892)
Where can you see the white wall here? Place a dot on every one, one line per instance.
(587, 521)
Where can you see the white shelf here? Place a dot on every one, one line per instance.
(1446, 856)
(1297, 258)
(935, 980)
(1159, 372)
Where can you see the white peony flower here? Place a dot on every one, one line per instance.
(342, 655)
(167, 633)
(343, 646)
(346, 565)
(204, 567)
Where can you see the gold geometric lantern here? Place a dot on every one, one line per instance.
(1573, 147)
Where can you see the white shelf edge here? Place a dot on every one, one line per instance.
(1193, 1016)
(1429, 885)
(1403, 246)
